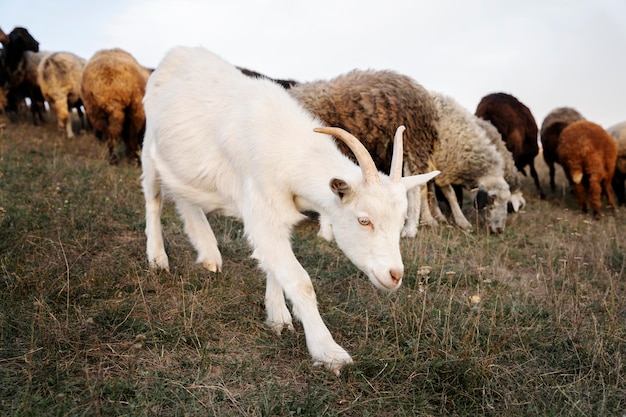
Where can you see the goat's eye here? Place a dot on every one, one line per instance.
(364, 221)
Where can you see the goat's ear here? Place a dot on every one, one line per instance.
(415, 180)
(341, 188)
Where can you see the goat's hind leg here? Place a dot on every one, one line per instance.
(157, 258)
(201, 235)
(278, 316)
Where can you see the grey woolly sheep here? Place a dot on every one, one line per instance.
(58, 76)
(466, 156)
(618, 131)
(371, 105)
(518, 128)
(511, 173)
(112, 87)
(588, 155)
(551, 128)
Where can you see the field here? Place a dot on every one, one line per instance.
(530, 322)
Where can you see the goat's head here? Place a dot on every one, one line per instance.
(492, 199)
(367, 216)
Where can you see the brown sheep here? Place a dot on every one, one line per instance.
(112, 88)
(588, 155)
(618, 131)
(551, 129)
(371, 105)
(58, 76)
(518, 128)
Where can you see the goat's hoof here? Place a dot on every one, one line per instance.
(277, 327)
(335, 366)
(211, 267)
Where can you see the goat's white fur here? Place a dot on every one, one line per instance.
(217, 140)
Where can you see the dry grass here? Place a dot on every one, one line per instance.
(531, 322)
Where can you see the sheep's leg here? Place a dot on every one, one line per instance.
(272, 249)
(426, 216)
(63, 117)
(457, 213)
(533, 173)
(157, 258)
(552, 174)
(608, 188)
(201, 235)
(413, 213)
(595, 195)
(434, 204)
(278, 316)
(579, 191)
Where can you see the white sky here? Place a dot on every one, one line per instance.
(548, 53)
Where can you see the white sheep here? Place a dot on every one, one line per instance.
(58, 76)
(217, 140)
(511, 173)
(466, 156)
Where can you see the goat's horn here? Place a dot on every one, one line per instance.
(396, 160)
(363, 157)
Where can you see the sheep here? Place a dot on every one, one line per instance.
(21, 57)
(58, 76)
(511, 173)
(618, 131)
(370, 104)
(214, 139)
(518, 128)
(551, 129)
(466, 156)
(588, 155)
(112, 88)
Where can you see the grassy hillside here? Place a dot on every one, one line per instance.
(530, 322)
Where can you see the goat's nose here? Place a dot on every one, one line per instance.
(396, 275)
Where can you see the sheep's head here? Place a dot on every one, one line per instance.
(368, 214)
(492, 198)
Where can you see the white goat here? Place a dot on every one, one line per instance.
(217, 140)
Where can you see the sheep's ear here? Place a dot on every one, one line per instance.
(481, 199)
(421, 179)
(341, 189)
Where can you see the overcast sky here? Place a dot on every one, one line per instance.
(548, 53)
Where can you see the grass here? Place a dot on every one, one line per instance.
(530, 322)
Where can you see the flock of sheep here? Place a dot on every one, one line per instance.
(215, 137)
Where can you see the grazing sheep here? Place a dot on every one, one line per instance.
(21, 56)
(551, 129)
(59, 76)
(588, 155)
(112, 87)
(217, 140)
(466, 156)
(370, 104)
(518, 128)
(618, 131)
(511, 173)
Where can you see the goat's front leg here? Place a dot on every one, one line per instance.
(201, 235)
(272, 249)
